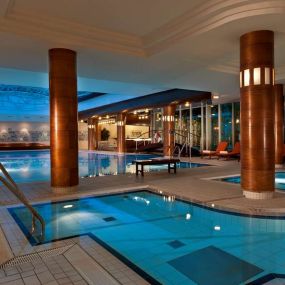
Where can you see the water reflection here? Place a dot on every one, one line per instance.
(27, 166)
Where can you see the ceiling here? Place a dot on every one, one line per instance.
(132, 47)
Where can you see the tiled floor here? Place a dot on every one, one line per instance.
(51, 271)
(192, 184)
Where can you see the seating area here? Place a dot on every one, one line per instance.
(222, 152)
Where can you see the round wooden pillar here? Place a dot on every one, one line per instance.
(279, 125)
(63, 119)
(121, 133)
(257, 114)
(93, 130)
(168, 130)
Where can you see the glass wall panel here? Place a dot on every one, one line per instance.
(226, 123)
(196, 126)
(182, 128)
(237, 121)
(186, 120)
(158, 120)
(215, 126)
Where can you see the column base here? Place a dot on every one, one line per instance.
(258, 195)
(64, 190)
(278, 166)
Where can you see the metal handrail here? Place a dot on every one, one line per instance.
(149, 133)
(12, 186)
(187, 143)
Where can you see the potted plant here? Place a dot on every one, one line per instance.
(105, 134)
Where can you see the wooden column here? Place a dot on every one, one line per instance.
(121, 131)
(279, 125)
(257, 114)
(63, 119)
(93, 130)
(168, 130)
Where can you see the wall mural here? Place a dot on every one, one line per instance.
(33, 132)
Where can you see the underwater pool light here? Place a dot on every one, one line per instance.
(67, 206)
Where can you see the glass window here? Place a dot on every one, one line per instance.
(226, 123)
(215, 126)
(158, 120)
(196, 126)
(237, 121)
(186, 120)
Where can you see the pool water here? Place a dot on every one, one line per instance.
(169, 241)
(279, 180)
(29, 166)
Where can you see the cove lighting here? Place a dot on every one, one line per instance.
(67, 206)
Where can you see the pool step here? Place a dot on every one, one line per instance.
(36, 256)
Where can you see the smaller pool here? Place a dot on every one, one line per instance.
(279, 180)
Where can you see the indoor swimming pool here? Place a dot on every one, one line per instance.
(279, 180)
(30, 166)
(169, 241)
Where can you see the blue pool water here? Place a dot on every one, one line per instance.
(279, 180)
(168, 240)
(28, 166)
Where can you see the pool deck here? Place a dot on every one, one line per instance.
(190, 184)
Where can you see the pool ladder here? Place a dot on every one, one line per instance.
(12, 186)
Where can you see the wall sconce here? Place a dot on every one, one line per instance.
(259, 77)
(168, 118)
(120, 123)
(187, 104)
(91, 126)
(24, 130)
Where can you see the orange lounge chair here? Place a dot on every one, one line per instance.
(234, 153)
(222, 146)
